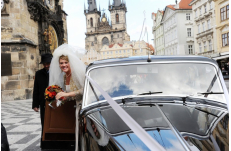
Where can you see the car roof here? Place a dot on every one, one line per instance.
(137, 59)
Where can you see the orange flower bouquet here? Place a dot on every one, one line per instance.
(51, 92)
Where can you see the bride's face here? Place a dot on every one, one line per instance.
(64, 65)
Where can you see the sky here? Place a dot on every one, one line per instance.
(76, 21)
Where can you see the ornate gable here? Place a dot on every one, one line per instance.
(104, 24)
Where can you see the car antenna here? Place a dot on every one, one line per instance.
(149, 59)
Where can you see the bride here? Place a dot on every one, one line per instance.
(68, 71)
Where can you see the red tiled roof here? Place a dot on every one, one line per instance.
(171, 7)
(154, 14)
(150, 46)
(110, 46)
(121, 45)
(184, 4)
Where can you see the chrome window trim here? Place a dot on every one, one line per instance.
(136, 63)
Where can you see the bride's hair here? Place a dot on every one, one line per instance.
(63, 58)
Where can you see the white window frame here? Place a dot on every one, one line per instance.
(200, 47)
(205, 6)
(200, 11)
(198, 26)
(203, 26)
(209, 23)
(189, 32)
(187, 16)
(190, 49)
(205, 47)
(210, 45)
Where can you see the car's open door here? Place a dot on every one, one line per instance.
(59, 124)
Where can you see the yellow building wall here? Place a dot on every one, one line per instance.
(222, 27)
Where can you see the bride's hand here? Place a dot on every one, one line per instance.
(60, 95)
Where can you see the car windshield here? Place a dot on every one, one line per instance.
(166, 79)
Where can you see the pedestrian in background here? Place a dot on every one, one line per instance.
(40, 84)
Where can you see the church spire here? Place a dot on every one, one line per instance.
(95, 5)
(91, 5)
(117, 2)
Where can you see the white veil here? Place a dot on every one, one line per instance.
(77, 67)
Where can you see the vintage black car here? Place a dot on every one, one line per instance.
(180, 101)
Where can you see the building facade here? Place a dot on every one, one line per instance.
(204, 27)
(222, 32)
(28, 29)
(158, 32)
(178, 29)
(100, 30)
(128, 49)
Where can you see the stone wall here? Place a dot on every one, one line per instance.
(19, 37)
(24, 61)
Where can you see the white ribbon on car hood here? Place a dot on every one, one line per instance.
(131, 123)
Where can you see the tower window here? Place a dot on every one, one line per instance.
(105, 41)
(117, 18)
(88, 21)
(91, 22)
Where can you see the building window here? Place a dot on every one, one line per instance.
(203, 26)
(208, 22)
(91, 22)
(220, 144)
(210, 45)
(200, 48)
(205, 8)
(227, 8)
(187, 16)
(225, 39)
(195, 13)
(198, 29)
(200, 10)
(189, 32)
(117, 18)
(224, 13)
(210, 5)
(128, 50)
(205, 47)
(105, 41)
(88, 21)
(190, 50)
(118, 35)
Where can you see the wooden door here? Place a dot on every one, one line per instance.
(59, 123)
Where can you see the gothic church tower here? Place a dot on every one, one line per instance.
(100, 30)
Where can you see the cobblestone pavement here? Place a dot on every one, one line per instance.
(22, 125)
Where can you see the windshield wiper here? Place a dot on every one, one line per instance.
(207, 93)
(149, 93)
